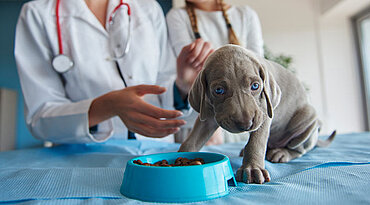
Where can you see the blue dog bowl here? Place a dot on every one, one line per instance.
(178, 184)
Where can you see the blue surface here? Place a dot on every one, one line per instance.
(180, 183)
(92, 174)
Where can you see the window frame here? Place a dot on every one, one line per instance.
(365, 83)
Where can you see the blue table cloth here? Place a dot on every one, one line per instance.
(92, 174)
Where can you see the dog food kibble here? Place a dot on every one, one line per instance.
(178, 162)
(138, 162)
(195, 163)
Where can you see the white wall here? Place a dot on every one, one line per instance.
(326, 5)
(346, 110)
(320, 42)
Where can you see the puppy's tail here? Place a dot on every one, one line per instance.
(327, 142)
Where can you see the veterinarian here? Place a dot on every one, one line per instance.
(212, 24)
(87, 68)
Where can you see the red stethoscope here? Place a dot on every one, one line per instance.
(62, 63)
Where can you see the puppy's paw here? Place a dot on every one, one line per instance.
(252, 174)
(281, 155)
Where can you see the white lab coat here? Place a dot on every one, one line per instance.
(57, 111)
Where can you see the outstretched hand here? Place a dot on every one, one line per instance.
(138, 116)
(190, 62)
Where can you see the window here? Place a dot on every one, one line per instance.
(361, 24)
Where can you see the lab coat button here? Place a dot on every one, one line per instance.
(130, 77)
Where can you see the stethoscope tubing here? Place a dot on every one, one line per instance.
(111, 21)
(62, 63)
(59, 32)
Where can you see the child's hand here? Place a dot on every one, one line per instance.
(190, 63)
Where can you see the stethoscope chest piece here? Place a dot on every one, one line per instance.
(62, 63)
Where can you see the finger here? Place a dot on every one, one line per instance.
(203, 54)
(157, 133)
(196, 50)
(210, 52)
(148, 89)
(153, 122)
(156, 112)
(187, 49)
(149, 131)
(199, 67)
(192, 46)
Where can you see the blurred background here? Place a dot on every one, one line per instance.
(326, 42)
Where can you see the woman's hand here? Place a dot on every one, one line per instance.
(190, 63)
(138, 116)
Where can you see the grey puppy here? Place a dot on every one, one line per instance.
(244, 93)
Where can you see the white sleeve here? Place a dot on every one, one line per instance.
(50, 115)
(254, 37)
(179, 31)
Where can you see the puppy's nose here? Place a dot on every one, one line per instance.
(245, 125)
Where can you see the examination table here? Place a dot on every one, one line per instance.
(92, 174)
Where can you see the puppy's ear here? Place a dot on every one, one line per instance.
(198, 98)
(271, 89)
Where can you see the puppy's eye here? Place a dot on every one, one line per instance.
(220, 91)
(255, 86)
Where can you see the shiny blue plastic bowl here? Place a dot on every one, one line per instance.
(178, 184)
